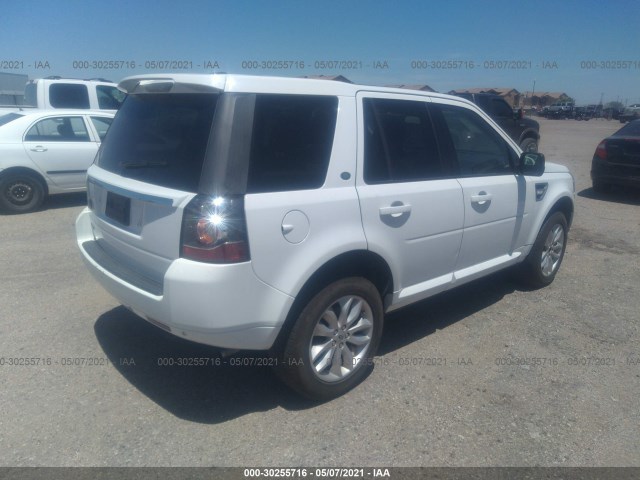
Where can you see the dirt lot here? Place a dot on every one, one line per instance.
(449, 387)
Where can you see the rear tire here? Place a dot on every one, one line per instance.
(544, 260)
(331, 346)
(21, 193)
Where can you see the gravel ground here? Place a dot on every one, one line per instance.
(446, 391)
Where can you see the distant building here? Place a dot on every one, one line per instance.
(511, 95)
(12, 88)
(335, 78)
(422, 88)
(543, 99)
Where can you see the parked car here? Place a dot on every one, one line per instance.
(46, 152)
(630, 113)
(525, 131)
(616, 160)
(70, 93)
(289, 215)
(560, 110)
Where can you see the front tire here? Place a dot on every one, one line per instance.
(20, 193)
(331, 346)
(529, 145)
(544, 260)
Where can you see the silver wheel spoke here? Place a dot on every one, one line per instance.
(355, 313)
(325, 360)
(347, 358)
(345, 307)
(330, 317)
(322, 330)
(318, 350)
(336, 363)
(363, 324)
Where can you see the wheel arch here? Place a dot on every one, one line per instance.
(529, 133)
(563, 205)
(26, 171)
(355, 263)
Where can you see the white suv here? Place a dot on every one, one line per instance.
(290, 215)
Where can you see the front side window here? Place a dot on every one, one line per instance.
(109, 98)
(58, 129)
(68, 95)
(399, 143)
(291, 142)
(479, 149)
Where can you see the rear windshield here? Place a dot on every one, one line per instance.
(160, 139)
(630, 130)
(9, 117)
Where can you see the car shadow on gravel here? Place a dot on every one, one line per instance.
(421, 319)
(215, 393)
(624, 195)
(65, 200)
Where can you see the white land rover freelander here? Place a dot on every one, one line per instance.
(290, 215)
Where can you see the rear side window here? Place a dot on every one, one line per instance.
(479, 149)
(160, 139)
(399, 143)
(68, 95)
(501, 108)
(291, 142)
(58, 129)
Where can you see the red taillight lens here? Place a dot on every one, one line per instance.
(214, 230)
(601, 150)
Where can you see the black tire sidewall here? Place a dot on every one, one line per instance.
(294, 366)
(37, 193)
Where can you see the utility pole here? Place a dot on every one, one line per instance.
(533, 92)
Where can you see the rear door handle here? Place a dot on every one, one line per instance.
(38, 149)
(396, 210)
(481, 198)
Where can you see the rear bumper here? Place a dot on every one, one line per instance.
(615, 174)
(225, 306)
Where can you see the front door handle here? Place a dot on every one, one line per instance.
(39, 148)
(395, 210)
(481, 198)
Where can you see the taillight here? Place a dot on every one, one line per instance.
(214, 230)
(601, 150)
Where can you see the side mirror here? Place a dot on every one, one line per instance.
(531, 163)
(518, 114)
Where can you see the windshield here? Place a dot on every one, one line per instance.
(160, 139)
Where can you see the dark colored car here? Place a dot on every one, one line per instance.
(616, 160)
(525, 131)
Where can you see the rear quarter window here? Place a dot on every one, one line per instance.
(291, 142)
(68, 95)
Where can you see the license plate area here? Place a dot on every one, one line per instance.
(118, 208)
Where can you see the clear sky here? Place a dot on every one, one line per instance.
(587, 48)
